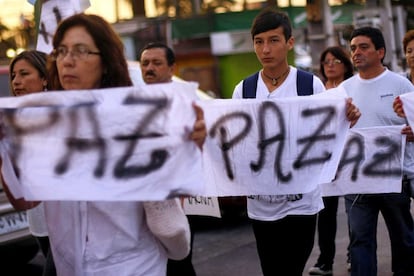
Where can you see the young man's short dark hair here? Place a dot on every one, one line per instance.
(270, 19)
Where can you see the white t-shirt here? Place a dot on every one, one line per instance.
(374, 97)
(103, 238)
(270, 208)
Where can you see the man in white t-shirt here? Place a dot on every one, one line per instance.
(283, 225)
(373, 90)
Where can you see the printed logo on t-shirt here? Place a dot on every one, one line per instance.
(276, 198)
(387, 95)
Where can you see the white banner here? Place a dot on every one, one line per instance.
(202, 206)
(408, 106)
(52, 12)
(286, 146)
(114, 144)
(132, 144)
(372, 162)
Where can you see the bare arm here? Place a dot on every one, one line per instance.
(20, 203)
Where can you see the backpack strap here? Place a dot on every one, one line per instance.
(250, 86)
(304, 83)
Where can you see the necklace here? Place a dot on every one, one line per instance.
(275, 81)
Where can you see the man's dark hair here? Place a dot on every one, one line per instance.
(374, 34)
(169, 54)
(269, 19)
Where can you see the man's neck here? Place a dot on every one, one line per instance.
(372, 72)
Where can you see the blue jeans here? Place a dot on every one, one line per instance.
(363, 211)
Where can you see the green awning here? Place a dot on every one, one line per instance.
(232, 21)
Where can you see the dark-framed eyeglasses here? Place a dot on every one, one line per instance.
(332, 62)
(78, 52)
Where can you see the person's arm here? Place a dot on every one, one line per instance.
(167, 221)
(20, 203)
(397, 105)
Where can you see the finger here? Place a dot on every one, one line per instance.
(199, 112)
(199, 132)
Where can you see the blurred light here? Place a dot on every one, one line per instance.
(10, 53)
(19, 50)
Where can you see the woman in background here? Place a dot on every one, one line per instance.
(28, 75)
(408, 45)
(335, 66)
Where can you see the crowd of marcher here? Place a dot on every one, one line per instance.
(154, 237)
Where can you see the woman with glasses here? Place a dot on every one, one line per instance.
(108, 238)
(335, 67)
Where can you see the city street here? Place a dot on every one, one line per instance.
(228, 248)
(223, 249)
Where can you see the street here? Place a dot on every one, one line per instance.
(223, 249)
(228, 248)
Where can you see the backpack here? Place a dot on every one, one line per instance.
(304, 84)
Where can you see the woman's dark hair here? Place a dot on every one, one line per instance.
(169, 54)
(339, 53)
(407, 39)
(115, 67)
(269, 19)
(36, 58)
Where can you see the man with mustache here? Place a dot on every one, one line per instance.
(157, 63)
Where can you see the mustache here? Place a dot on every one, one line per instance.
(150, 73)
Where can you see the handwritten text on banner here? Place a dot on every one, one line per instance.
(132, 144)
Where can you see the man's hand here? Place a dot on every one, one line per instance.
(352, 112)
(409, 132)
(398, 107)
(199, 133)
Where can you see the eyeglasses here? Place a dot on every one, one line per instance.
(331, 62)
(79, 52)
